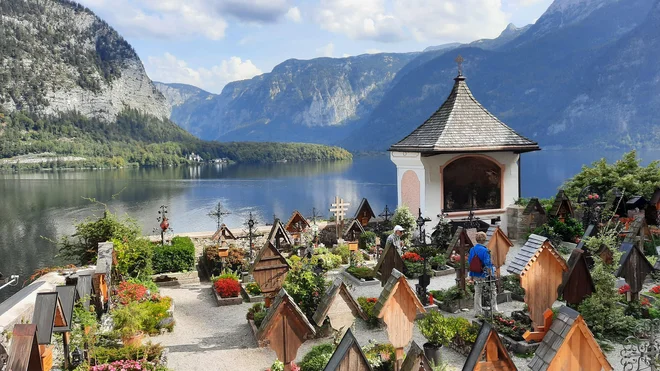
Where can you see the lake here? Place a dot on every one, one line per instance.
(45, 205)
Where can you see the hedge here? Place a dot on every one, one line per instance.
(178, 257)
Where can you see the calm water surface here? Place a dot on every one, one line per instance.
(35, 207)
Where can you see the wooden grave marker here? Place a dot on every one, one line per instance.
(102, 279)
(285, 328)
(398, 306)
(348, 356)
(339, 307)
(339, 209)
(48, 314)
(388, 261)
(416, 359)
(297, 225)
(364, 213)
(541, 271)
(638, 232)
(569, 345)
(24, 352)
(223, 233)
(536, 214)
(562, 207)
(634, 267)
(68, 297)
(279, 236)
(499, 244)
(488, 352)
(461, 244)
(577, 283)
(269, 270)
(352, 234)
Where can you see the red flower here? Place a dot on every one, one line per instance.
(656, 290)
(590, 197)
(411, 256)
(372, 300)
(227, 287)
(645, 302)
(129, 292)
(624, 289)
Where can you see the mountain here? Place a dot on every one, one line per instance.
(442, 47)
(563, 82)
(184, 101)
(510, 33)
(57, 56)
(318, 100)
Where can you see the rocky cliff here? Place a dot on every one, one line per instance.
(57, 56)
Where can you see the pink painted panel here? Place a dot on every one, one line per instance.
(410, 191)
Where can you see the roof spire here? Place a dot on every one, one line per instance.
(459, 61)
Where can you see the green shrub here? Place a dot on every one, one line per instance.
(253, 289)
(107, 354)
(367, 240)
(134, 258)
(179, 257)
(305, 287)
(404, 218)
(317, 358)
(259, 317)
(451, 294)
(511, 283)
(330, 261)
(365, 273)
(438, 261)
(373, 353)
(437, 329)
(367, 305)
(344, 252)
(148, 283)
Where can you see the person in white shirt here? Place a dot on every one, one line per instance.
(395, 239)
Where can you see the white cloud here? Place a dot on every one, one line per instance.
(326, 51)
(168, 68)
(293, 15)
(259, 11)
(168, 19)
(373, 51)
(395, 20)
(364, 19)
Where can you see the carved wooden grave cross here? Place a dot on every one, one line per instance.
(339, 208)
(461, 244)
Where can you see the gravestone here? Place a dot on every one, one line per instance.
(339, 306)
(285, 328)
(398, 306)
(348, 356)
(364, 213)
(541, 270)
(577, 283)
(634, 267)
(562, 208)
(269, 270)
(569, 345)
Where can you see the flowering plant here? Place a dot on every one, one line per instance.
(593, 196)
(125, 365)
(129, 292)
(655, 290)
(372, 300)
(411, 256)
(624, 289)
(645, 302)
(227, 287)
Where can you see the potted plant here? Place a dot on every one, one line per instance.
(438, 331)
(128, 322)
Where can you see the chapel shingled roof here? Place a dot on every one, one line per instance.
(462, 124)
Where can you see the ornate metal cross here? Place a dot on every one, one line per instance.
(339, 208)
(250, 223)
(218, 213)
(386, 215)
(164, 223)
(459, 61)
(638, 356)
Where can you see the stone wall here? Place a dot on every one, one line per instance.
(517, 223)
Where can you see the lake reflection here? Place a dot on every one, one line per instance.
(39, 206)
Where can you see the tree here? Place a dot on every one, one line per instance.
(404, 218)
(625, 173)
(83, 244)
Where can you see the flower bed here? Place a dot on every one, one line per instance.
(226, 291)
(255, 316)
(251, 292)
(367, 305)
(452, 299)
(357, 281)
(361, 273)
(511, 283)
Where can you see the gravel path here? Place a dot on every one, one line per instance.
(207, 337)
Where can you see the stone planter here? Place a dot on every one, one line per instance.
(226, 301)
(454, 306)
(250, 298)
(359, 282)
(444, 272)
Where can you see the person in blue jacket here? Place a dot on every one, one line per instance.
(483, 254)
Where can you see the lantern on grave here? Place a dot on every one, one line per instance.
(76, 357)
(164, 224)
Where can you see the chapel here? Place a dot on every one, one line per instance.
(462, 159)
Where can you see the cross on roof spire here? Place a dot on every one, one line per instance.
(459, 61)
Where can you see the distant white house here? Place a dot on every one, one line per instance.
(194, 157)
(462, 158)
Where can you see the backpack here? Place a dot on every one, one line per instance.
(476, 266)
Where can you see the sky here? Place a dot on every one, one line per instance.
(209, 43)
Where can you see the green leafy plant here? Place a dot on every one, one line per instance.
(317, 358)
(226, 273)
(330, 261)
(511, 283)
(179, 257)
(148, 352)
(367, 240)
(365, 273)
(438, 262)
(438, 330)
(253, 289)
(305, 287)
(134, 258)
(128, 319)
(367, 305)
(451, 294)
(380, 356)
(277, 366)
(344, 252)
